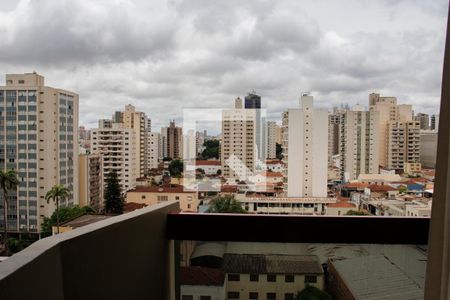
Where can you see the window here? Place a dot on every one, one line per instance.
(271, 296)
(289, 278)
(234, 277)
(205, 297)
(187, 297)
(253, 295)
(254, 277)
(289, 296)
(271, 278)
(233, 295)
(310, 279)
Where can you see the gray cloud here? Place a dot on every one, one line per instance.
(166, 56)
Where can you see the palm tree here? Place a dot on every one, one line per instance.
(8, 182)
(57, 193)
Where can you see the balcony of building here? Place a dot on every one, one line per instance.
(142, 254)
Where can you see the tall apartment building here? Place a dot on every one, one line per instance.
(307, 148)
(424, 120)
(358, 144)
(90, 181)
(118, 148)
(153, 147)
(334, 121)
(434, 122)
(172, 140)
(271, 137)
(138, 121)
(238, 146)
(39, 140)
(403, 144)
(253, 101)
(398, 135)
(284, 143)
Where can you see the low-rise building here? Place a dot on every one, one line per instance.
(284, 205)
(79, 221)
(210, 167)
(340, 208)
(156, 194)
(259, 276)
(274, 165)
(201, 283)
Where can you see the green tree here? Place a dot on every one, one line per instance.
(312, 293)
(211, 149)
(113, 194)
(8, 182)
(176, 168)
(225, 204)
(167, 158)
(56, 194)
(65, 214)
(15, 245)
(278, 151)
(356, 213)
(402, 189)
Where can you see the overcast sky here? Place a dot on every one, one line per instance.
(163, 56)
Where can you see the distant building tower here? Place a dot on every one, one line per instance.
(307, 140)
(173, 141)
(358, 147)
(253, 101)
(424, 121)
(434, 122)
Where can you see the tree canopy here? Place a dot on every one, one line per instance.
(65, 214)
(211, 149)
(225, 204)
(176, 168)
(113, 194)
(356, 213)
(312, 293)
(278, 151)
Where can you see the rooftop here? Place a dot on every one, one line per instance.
(270, 264)
(201, 276)
(160, 189)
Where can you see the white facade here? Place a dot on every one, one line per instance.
(197, 291)
(307, 150)
(153, 148)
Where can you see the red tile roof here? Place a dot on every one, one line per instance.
(207, 163)
(273, 162)
(356, 185)
(201, 276)
(343, 204)
(381, 188)
(229, 188)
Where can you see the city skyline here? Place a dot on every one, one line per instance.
(191, 54)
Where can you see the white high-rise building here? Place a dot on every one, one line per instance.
(359, 149)
(38, 126)
(307, 148)
(153, 148)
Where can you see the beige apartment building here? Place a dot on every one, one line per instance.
(238, 148)
(271, 140)
(90, 181)
(118, 148)
(359, 144)
(260, 276)
(151, 195)
(172, 141)
(39, 140)
(138, 121)
(398, 133)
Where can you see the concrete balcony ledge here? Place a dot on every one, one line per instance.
(123, 257)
